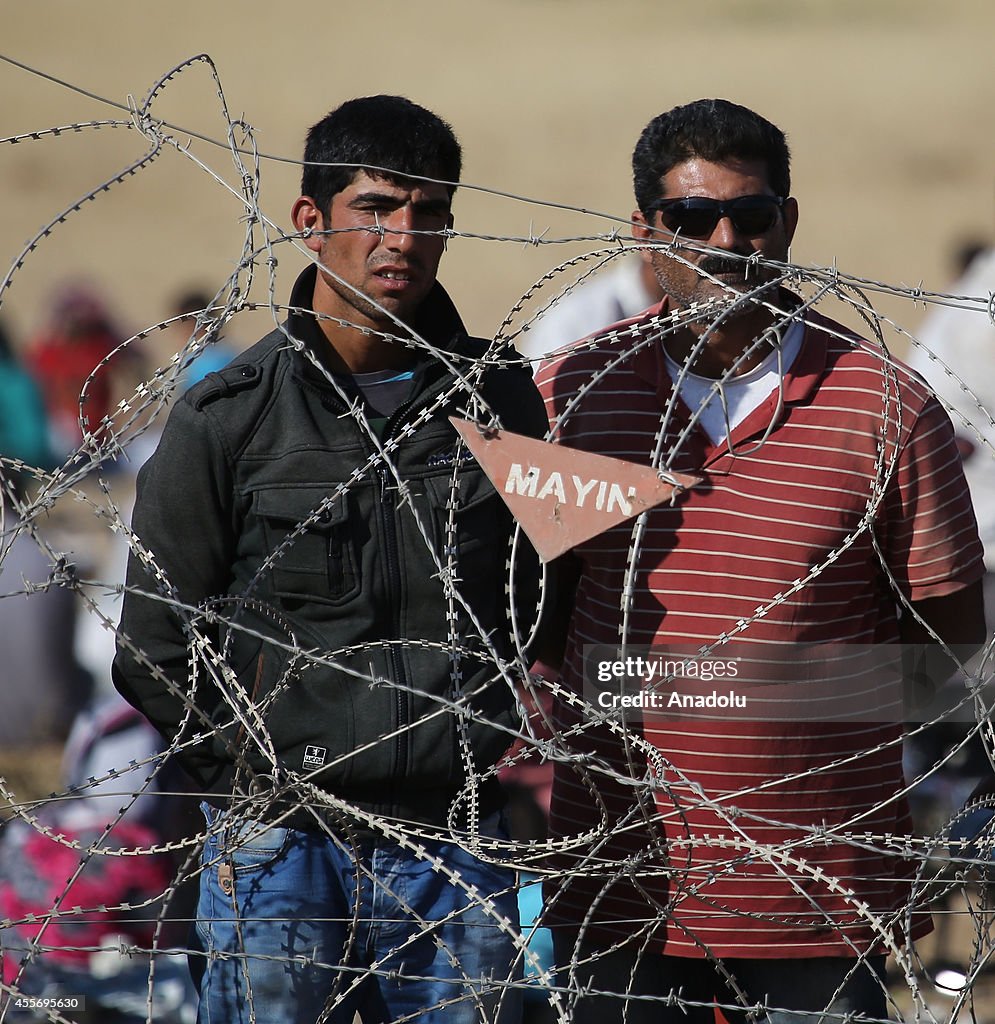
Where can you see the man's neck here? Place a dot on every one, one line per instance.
(361, 348)
(726, 341)
(350, 351)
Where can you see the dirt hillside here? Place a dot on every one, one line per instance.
(887, 106)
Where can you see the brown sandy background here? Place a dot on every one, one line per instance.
(887, 104)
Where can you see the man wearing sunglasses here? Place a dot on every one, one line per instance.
(751, 859)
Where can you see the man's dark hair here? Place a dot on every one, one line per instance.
(712, 130)
(377, 132)
(191, 300)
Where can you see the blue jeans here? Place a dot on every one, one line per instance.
(289, 922)
(796, 991)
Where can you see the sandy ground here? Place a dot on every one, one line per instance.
(887, 104)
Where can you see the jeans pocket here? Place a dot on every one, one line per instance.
(250, 845)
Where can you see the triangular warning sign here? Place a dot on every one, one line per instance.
(564, 496)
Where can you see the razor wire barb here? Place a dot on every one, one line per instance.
(944, 882)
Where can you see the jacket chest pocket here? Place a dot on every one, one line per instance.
(310, 546)
(469, 521)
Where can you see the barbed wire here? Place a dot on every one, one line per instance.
(140, 930)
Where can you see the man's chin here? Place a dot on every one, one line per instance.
(387, 319)
(718, 305)
(740, 295)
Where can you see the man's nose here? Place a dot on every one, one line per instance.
(725, 235)
(398, 226)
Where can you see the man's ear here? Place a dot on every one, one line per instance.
(790, 214)
(642, 232)
(309, 221)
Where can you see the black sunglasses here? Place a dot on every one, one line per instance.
(697, 216)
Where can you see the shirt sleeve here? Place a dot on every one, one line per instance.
(182, 553)
(931, 542)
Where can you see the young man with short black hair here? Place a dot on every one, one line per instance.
(314, 499)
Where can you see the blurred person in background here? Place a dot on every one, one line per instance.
(23, 422)
(964, 339)
(42, 686)
(616, 293)
(79, 334)
(194, 305)
(956, 352)
(120, 810)
(191, 321)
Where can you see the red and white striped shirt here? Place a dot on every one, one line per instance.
(826, 498)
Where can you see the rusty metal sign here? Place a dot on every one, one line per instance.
(563, 496)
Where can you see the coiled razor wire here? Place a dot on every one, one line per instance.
(947, 884)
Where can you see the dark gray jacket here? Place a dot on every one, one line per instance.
(273, 525)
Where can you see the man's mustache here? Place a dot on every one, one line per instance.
(716, 265)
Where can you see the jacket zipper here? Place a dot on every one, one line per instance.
(388, 508)
(392, 560)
